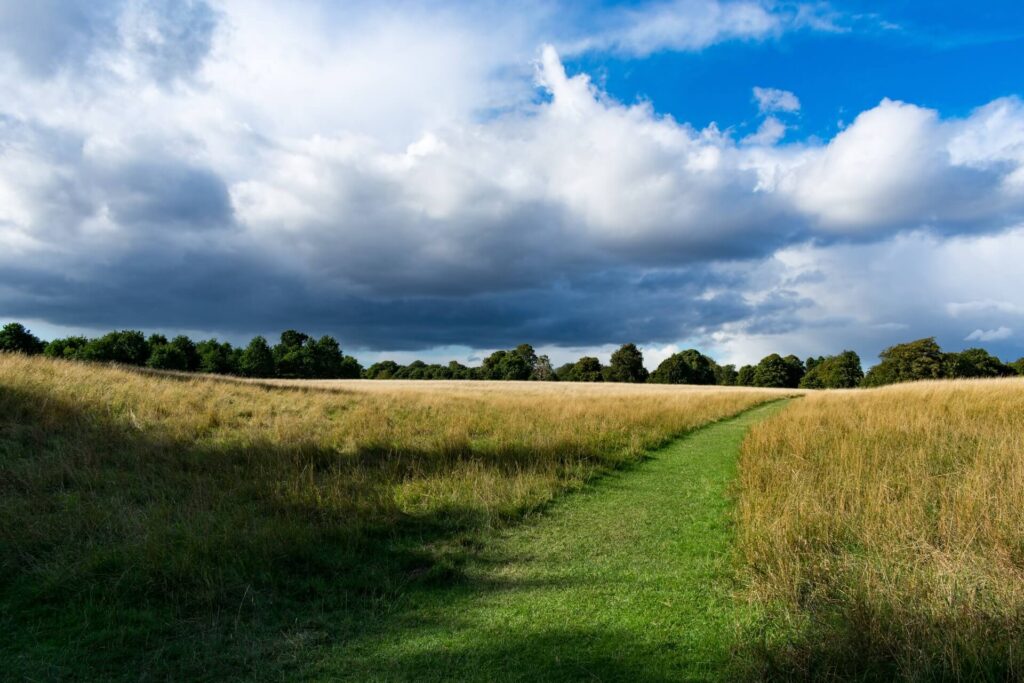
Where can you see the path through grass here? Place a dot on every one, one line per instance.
(628, 580)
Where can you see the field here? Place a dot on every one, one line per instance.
(882, 533)
(157, 526)
(188, 527)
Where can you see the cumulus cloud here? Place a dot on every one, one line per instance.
(773, 100)
(203, 172)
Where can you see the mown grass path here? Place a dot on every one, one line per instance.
(628, 580)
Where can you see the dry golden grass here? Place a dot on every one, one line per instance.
(199, 488)
(883, 532)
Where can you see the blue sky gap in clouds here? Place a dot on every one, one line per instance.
(439, 179)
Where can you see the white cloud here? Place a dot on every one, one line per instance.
(997, 334)
(773, 100)
(378, 157)
(768, 133)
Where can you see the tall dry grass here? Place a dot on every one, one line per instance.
(882, 533)
(124, 485)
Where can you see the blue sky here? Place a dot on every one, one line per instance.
(440, 179)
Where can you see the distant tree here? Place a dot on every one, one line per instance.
(292, 357)
(542, 370)
(916, 360)
(69, 348)
(492, 367)
(156, 340)
(15, 338)
(385, 369)
(515, 366)
(587, 369)
(974, 363)
(257, 360)
(217, 358)
(127, 346)
(726, 375)
(1018, 365)
(188, 348)
(166, 357)
(833, 372)
(686, 367)
(627, 365)
(778, 372)
(745, 376)
(564, 372)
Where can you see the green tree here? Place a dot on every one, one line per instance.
(916, 360)
(726, 375)
(1018, 365)
(974, 363)
(492, 366)
(166, 357)
(216, 357)
(564, 372)
(69, 348)
(292, 357)
(257, 360)
(745, 376)
(127, 346)
(686, 367)
(627, 365)
(778, 372)
(587, 369)
(15, 338)
(385, 369)
(188, 348)
(833, 372)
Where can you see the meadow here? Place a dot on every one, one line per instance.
(162, 526)
(881, 534)
(159, 526)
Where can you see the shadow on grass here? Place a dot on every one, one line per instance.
(142, 554)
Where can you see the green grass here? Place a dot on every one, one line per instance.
(627, 580)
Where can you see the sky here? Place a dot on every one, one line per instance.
(436, 180)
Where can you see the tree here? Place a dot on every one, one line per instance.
(745, 376)
(257, 360)
(833, 372)
(188, 348)
(492, 366)
(15, 338)
(686, 367)
(69, 348)
(167, 357)
(1018, 365)
(385, 369)
(627, 365)
(542, 370)
(726, 375)
(127, 346)
(564, 372)
(587, 369)
(975, 363)
(778, 372)
(916, 360)
(515, 366)
(217, 358)
(292, 357)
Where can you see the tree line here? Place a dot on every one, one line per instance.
(301, 356)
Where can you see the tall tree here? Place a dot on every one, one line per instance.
(257, 360)
(14, 337)
(627, 365)
(833, 372)
(686, 367)
(920, 359)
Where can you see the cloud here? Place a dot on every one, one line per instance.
(997, 334)
(774, 100)
(413, 179)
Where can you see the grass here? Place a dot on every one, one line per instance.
(882, 534)
(628, 581)
(158, 527)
